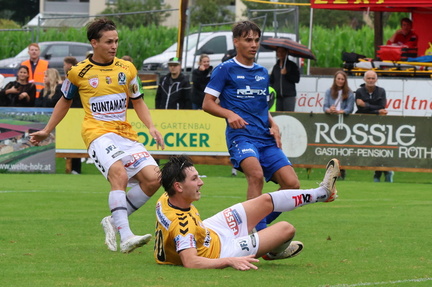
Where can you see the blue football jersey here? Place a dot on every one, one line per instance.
(243, 90)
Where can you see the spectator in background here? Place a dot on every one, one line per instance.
(174, 90)
(68, 63)
(283, 78)
(339, 100)
(371, 99)
(51, 92)
(229, 55)
(19, 93)
(37, 67)
(127, 58)
(200, 78)
(405, 35)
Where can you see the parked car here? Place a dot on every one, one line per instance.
(215, 44)
(54, 52)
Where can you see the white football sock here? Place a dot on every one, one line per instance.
(135, 198)
(117, 205)
(289, 199)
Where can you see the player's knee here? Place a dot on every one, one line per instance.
(153, 185)
(288, 230)
(118, 177)
(255, 175)
(150, 185)
(291, 183)
(294, 184)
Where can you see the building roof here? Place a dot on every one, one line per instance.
(15, 127)
(58, 20)
(8, 135)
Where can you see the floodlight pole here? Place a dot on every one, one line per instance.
(182, 26)
(310, 40)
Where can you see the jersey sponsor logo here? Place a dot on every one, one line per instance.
(84, 71)
(69, 90)
(259, 78)
(117, 154)
(237, 216)
(121, 78)
(134, 88)
(231, 220)
(137, 158)
(247, 150)
(244, 245)
(108, 80)
(162, 219)
(302, 198)
(94, 81)
(207, 239)
(253, 239)
(185, 242)
(120, 64)
(251, 93)
(108, 106)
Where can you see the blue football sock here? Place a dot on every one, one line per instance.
(272, 216)
(261, 225)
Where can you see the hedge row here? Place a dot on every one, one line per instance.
(143, 42)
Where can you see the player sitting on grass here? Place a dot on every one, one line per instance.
(227, 238)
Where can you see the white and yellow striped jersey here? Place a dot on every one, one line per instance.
(104, 92)
(179, 229)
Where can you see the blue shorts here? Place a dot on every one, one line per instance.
(269, 155)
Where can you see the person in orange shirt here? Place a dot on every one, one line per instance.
(37, 67)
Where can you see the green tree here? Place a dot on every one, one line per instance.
(210, 11)
(20, 11)
(136, 20)
(8, 24)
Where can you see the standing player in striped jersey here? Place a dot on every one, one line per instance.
(105, 85)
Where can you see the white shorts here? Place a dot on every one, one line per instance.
(109, 148)
(231, 226)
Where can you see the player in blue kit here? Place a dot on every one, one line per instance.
(253, 138)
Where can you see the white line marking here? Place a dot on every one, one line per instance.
(380, 283)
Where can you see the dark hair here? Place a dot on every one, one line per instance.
(96, 27)
(242, 29)
(173, 171)
(23, 67)
(407, 20)
(70, 60)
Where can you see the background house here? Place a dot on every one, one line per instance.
(75, 13)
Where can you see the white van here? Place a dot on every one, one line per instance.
(215, 44)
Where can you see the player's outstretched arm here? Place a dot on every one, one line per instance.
(190, 259)
(59, 112)
(143, 114)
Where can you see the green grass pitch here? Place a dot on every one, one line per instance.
(374, 234)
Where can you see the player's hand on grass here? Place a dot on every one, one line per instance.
(244, 263)
(37, 137)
